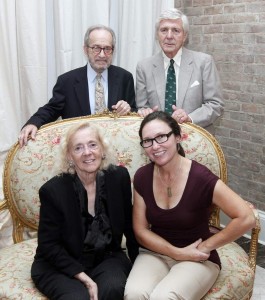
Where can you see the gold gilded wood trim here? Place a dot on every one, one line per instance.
(253, 247)
(105, 115)
(215, 210)
(202, 131)
(18, 226)
(19, 221)
(215, 213)
(3, 204)
(216, 146)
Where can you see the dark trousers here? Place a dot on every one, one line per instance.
(110, 275)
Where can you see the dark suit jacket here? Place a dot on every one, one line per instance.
(60, 234)
(71, 99)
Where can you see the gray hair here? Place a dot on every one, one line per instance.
(173, 14)
(99, 27)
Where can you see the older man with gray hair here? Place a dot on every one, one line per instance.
(177, 80)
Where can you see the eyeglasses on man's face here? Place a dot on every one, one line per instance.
(96, 49)
(160, 139)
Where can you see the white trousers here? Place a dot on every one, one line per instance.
(159, 277)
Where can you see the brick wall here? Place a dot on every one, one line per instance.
(233, 31)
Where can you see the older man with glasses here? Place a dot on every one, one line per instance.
(90, 89)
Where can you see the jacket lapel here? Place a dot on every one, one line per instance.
(81, 90)
(113, 82)
(159, 77)
(185, 72)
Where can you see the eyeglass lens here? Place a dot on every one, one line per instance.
(97, 50)
(160, 139)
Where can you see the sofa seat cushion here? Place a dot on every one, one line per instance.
(236, 277)
(15, 265)
(16, 283)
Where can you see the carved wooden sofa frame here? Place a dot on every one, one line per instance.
(28, 168)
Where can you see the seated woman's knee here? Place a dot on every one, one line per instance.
(135, 294)
(114, 289)
(161, 294)
(81, 294)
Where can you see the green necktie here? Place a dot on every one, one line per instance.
(170, 97)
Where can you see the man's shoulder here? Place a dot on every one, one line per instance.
(75, 72)
(119, 70)
(195, 54)
(158, 57)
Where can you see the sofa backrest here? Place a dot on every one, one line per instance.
(27, 169)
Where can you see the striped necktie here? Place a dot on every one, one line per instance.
(170, 96)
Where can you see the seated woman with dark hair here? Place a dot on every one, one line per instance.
(172, 197)
(83, 215)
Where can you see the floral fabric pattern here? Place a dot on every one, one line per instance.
(33, 165)
(234, 282)
(27, 169)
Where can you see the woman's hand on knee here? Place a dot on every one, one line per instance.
(192, 253)
(92, 290)
(89, 284)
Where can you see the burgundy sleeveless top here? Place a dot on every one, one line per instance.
(188, 220)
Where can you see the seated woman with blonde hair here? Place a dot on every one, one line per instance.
(83, 215)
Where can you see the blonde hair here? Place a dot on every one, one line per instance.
(109, 157)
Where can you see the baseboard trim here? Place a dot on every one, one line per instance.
(224, 220)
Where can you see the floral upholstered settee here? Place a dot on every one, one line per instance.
(28, 168)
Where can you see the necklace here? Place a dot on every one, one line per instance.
(169, 191)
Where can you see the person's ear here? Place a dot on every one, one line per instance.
(185, 40)
(178, 139)
(85, 48)
(69, 157)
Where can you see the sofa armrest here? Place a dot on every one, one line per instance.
(253, 247)
(3, 204)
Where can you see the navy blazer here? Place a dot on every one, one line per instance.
(71, 98)
(60, 233)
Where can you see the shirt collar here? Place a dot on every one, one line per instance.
(92, 74)
(177, 58)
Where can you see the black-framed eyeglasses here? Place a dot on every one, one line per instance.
(96, 49)
(160, 139)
